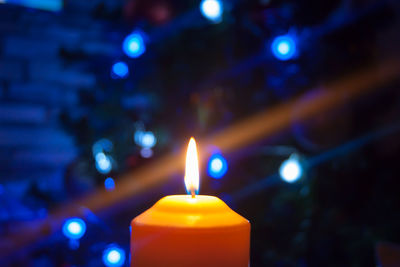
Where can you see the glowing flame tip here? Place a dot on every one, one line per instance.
(192, 168)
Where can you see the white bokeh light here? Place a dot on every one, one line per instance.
(216, 165)
(291, 170)
(103, 163)
(212, 10)
(283, 48)
(113, 256)
(74, 228)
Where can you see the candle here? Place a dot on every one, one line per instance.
(190, 230)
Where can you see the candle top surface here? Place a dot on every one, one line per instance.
(184, 211)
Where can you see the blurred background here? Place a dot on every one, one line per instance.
(295, 106)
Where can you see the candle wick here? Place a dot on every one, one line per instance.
(193, 193)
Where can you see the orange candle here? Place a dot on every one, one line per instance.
(190, 230)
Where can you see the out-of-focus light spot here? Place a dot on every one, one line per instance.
(217, 166)
(109, 184)
(102, 145)
(49, 5)
(146, 152)
(103, 163)
(283, 47)
(74, 228)
(291, 170)
(145, 139)
(148, 140)
(212, 10)
(134, 45)
(113, 256)
(138, 137)
(120, 70)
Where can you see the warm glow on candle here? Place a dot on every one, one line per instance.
(192, 168)
(190, 230)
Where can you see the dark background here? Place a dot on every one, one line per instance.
(58, 97)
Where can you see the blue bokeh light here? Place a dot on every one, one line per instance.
(217, 166)
(49, 5)
(101, 145)
(103, 163)
(109, 184)
(138, 137)
(145, 139)
(212, 10)
(74, 228)
(148, 140)
(113, 256)
(291, 170)
(120, 70)
(134, 45)
(283, 47)
(146, 152)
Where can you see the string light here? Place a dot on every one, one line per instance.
(119, 70)
(146, 152)
(283, 47)
(134, 45)
(103, 163)
(291, 170)
(217, 166)
(74, 228)
(113, 256)
(145, 139)
(109, 184)
(212, 10)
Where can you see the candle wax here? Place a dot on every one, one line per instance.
(182, 231)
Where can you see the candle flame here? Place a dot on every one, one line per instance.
(192, 169)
